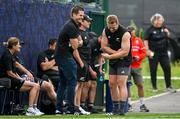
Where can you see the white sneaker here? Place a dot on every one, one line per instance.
(30, 112)
(38, 112)
(83, 111)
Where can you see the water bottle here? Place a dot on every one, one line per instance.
(101, 78)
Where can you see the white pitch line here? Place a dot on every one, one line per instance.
(162, 77)
(148, 98)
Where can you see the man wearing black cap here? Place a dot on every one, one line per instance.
(84, 52)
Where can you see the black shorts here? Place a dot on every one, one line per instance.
(54, 79)
(119, 70)
(38, 80)
(16, 84)
(83, 73)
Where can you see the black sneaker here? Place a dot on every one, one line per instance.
(115, 112)
(92, 110)
(143, 108)
(77, 111)
(170, 90)
(59, 112)
(85, 108)
(130, 109)
(69, 109)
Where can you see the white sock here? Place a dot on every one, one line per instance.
(129, 101)
(141, 100)
(30, 108)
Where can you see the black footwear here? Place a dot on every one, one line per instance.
(59, 112)
(77, 111)
(92, 110)
(121, 113)
(115, 112)
(85, 108)
(143, 108)
(130, 109)
(170, 90)
(70, 109)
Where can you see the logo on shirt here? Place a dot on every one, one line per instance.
(154, 32)
(137, 42)
(122, 72)
(52, 56)
(117, 39)
(162, 30)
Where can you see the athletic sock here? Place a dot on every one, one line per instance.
(82, 104)
(129, 101)
(141, 100)
(91, 105)
(34, 105)
(122, 107)
(115, 107)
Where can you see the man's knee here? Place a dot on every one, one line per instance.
(112, 83)
(93, 84)
(140, 86)
(46, 86)
(36, 86)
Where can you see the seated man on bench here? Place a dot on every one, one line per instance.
(46, 65)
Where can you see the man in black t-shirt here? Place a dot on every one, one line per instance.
(46, 65)
(116, 43)
(66, 56)
(85, 55)
(95, 69)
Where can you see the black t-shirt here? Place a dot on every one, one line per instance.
(7, 63)
(85, 50)
(41, 58)
(115, 40)
(157, 39)
(69, 31)
(95, 48)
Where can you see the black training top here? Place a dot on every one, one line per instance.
(85, 50)
(7, 63)
(49, 54)
(95, 48)
(114, 40)
(69, 31)
(157, 39)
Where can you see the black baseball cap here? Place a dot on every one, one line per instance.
(87, 18)
(131, 28)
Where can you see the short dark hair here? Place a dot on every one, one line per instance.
(76, 9)
(52, 41)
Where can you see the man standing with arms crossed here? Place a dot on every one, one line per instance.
(116, 45)
(66, 54)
